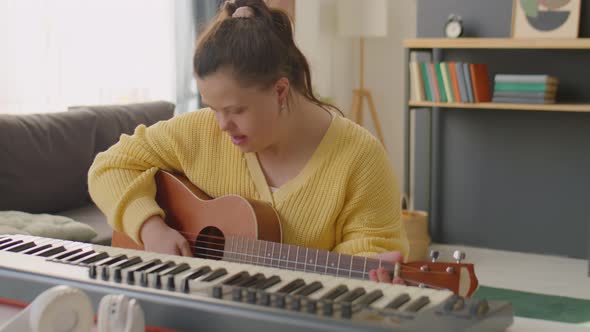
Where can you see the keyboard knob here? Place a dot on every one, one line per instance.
(117, 275)
(170, 284)
(280, 301)
(264, 298)
(251, 296)
(236, 294)
(479, 308)
(312, 306)
(158, 281)
(130, 278)
(346, 310)
(328, 308)
(185, 288)
(295, 303)
(217, 292)
(143, 279)
(92, 271)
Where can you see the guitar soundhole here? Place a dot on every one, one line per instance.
(210, 243)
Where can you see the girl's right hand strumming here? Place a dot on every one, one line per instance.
(159, 237)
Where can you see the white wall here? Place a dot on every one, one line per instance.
(335, 64)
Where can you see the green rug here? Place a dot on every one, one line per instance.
(540, 306)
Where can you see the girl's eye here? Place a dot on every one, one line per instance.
(239, 110)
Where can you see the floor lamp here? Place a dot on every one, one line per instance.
(362, 19)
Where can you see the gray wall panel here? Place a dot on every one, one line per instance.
(514, 180)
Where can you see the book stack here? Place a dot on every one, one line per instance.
(449, 82)
(525, 89)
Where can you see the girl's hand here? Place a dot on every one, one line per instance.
(380, 274)
(159, 237)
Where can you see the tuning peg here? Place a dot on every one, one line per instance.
(434, 255)
(458, 255)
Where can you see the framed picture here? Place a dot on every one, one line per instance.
(545, 18)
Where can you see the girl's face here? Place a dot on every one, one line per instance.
(251, 116)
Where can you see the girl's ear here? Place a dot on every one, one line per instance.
(282, 89)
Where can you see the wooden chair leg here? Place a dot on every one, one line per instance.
(375, 117)
(356, 111)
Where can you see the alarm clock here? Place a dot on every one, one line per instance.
(454, 26)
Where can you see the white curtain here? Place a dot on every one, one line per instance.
(59, 53)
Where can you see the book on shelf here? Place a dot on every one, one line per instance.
(522, 78)
(516, 100)
(453, 82)
(525, 94)
(525, 87)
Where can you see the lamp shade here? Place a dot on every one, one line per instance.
(362, 18)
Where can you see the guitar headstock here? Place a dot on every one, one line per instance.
(458, 277)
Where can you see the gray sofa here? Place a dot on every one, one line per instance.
(44, 158)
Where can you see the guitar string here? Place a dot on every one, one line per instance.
(416, 282)
(254, 241)
(406, 269)
(288, 259)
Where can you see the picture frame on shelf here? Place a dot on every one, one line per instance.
(546, 18)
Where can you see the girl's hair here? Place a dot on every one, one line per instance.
(259, 49)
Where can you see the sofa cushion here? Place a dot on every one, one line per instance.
(45, 160)
(94, 218)
(114, 120)
(45, 225)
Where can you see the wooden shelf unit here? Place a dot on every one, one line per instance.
(506, 106)
(497, 43)
(437, 108)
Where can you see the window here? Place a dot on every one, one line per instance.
(60, 53)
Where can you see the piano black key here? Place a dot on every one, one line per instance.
(215, 274)
(264, 284)
(236, 278)
(252, 280)
(10, 244)
(334, 293)
(22, 247)
(129, 262)
(198, 272)
(398, 301)
(352, 295)
(37, 249)
(5, 240)
(114, 260)
(95, 258)
(369, 298)
(147, 265)
(51, 252)
(309, 289)
(292, 286)
(80, 256)
(418, 304)
(178, 269)
(161, 267)
(67, 254)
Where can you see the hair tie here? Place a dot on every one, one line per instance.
(243, 12)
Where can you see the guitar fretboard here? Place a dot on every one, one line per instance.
(296, 258)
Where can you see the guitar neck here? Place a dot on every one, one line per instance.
(296, 258)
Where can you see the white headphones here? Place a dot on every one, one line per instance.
(68, 309)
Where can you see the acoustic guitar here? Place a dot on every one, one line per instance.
(237, 229)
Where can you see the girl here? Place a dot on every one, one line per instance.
(264, 136)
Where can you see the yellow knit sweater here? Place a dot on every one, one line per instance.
(345, 199)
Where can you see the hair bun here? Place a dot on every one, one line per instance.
(230, 8)
(243, 12)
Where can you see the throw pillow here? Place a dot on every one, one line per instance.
(45, 225)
